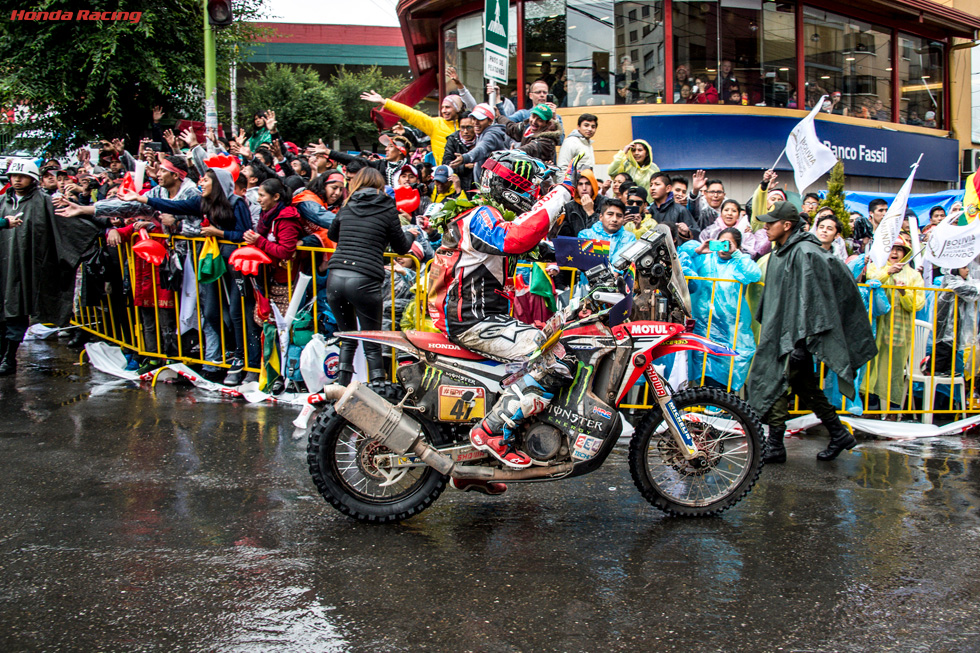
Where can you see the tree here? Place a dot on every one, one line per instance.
(88, 79)
(298, 97)
(351, 116)
(835, 198)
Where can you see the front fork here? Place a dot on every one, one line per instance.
(674, 422)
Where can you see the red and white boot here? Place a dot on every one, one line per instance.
(482, 438)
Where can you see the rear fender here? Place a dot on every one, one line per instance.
(690, 342)
(388, 338)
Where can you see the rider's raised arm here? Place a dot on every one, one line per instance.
(491, 234)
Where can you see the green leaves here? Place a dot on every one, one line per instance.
(835, 199)
(308, 108)
(88, 79)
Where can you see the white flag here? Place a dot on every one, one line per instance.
(809, 157)
(188, 297)
(953, 246)
(891, 225)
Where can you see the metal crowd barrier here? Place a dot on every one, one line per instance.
(116, 319)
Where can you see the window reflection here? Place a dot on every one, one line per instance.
(920, 74)
(463, 48)
(734, 52)
(850, 62)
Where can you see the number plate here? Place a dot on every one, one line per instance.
(461, 403)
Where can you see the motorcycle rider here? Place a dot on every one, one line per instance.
(474, 311)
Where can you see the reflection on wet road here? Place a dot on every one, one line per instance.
(135, 519)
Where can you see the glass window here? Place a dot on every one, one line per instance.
(778, 56)
(695, 51)
(734, 52)
(615, 52)
(921, 76)
(850, 62)
(463, 48)
(544, 48)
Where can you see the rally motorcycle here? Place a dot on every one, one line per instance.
(384, 452)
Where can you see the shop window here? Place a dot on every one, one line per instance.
(734, 52)
(628, 31)
(463, 48)
(921, 75)
(850, 62)
(544, 48)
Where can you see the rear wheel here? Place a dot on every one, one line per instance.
(725, 428)
(350, 471)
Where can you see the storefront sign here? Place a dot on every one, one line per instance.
(733, 142)
(496, 16)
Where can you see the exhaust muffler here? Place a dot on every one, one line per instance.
(379, 419)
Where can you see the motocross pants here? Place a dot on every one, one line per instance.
(504, 338)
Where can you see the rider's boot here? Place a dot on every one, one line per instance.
(496, 433)
(475, 485)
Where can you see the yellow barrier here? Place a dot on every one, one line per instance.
(117, 319)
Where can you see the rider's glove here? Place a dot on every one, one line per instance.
(571, 174)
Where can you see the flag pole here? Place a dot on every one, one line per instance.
(778, 159)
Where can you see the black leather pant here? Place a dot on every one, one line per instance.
(356, 299)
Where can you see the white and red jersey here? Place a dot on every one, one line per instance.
(467, 281)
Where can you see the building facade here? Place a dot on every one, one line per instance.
(718, 84)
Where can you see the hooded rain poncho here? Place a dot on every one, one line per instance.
(731, 319)
(809, 297)
(624, 162)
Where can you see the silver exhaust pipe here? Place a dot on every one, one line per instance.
(380, 420)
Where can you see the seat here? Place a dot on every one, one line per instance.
(920, 349)
(438, 343)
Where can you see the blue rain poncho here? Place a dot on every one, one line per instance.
(877, 302)
(724, 311)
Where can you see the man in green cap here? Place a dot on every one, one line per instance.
(810, 311)
(539, 135)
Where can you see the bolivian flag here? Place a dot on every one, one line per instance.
(542, 286)
(971, 200)
(270, 357)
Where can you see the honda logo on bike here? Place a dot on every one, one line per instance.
(658, 384)
(648, 329)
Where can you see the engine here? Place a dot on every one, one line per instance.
(544, 443)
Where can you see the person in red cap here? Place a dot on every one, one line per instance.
(490, 138)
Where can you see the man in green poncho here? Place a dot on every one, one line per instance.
(37, 261)
(810, 310)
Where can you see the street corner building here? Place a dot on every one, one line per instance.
(718, 85)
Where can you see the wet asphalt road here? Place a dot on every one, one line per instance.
(135, 519)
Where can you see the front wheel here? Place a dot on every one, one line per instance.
(725, 428)
(350, 472)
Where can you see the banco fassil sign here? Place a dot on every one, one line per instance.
(737, 142)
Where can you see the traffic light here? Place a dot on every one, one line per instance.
(219, 13)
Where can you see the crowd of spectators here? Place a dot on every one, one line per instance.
(259, 189)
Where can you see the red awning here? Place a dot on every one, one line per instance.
(409, 96)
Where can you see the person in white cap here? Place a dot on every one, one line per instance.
(37, 260)
(930, 119)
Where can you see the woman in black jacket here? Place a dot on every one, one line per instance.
(364, 227)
